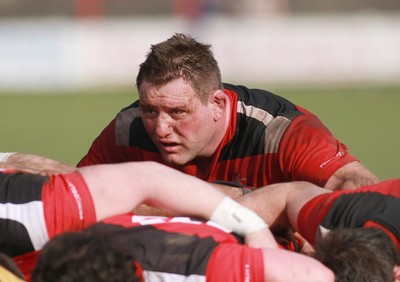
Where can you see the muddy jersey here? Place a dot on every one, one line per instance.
(370, 206)
(269, 140)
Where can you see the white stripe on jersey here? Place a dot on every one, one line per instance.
(152, 220)
(31, 216)
(155, 276)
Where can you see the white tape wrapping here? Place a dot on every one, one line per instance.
(237, 218)
(4, 156)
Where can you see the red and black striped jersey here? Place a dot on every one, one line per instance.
(370, 206)
(269, 140)
(20, 198)
(182, 249)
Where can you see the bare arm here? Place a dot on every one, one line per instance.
(298, 196)
(351, 176)
(36, 164)
(279, 204)
(118, 188)
(130, 184)
(282, 265)
(269, 202)
(229, 191)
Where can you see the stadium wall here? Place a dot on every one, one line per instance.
(60, 53)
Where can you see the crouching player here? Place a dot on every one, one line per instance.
(35, 208)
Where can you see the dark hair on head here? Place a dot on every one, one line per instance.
(10, 265)
(361, 254)
(181, 56)
(84, 257)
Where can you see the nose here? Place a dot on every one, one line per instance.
(163, 125)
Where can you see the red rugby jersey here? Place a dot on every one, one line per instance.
(269, 140)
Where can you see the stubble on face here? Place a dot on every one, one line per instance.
(178, 123)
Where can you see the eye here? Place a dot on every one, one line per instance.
(178, 113)
(149, 113)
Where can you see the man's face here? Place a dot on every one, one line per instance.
(181, 126)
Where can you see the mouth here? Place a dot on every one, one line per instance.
(169, 147)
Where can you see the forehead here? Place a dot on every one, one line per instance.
(177, 93)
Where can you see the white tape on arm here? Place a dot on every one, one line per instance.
(237, 218)
(4, 156)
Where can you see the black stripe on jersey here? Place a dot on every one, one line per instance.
(162, 251)
(14, 238)
(142, 139)
(261, 123)
(19, 188)
(131, 106)
(138, 136)
(273, 104)
(353, 210)
(249, 140)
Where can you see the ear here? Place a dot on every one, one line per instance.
(219, 100)
(396, 273)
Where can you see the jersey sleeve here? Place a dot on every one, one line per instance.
(309, 152)
(311, 215)
(104, 149)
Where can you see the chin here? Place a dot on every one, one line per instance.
(173, 160)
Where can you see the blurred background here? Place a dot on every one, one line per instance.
(67, 67)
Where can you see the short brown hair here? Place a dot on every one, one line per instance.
(84, 256)
(361, 254)
(181, 56)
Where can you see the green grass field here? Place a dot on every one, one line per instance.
(63, 125)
